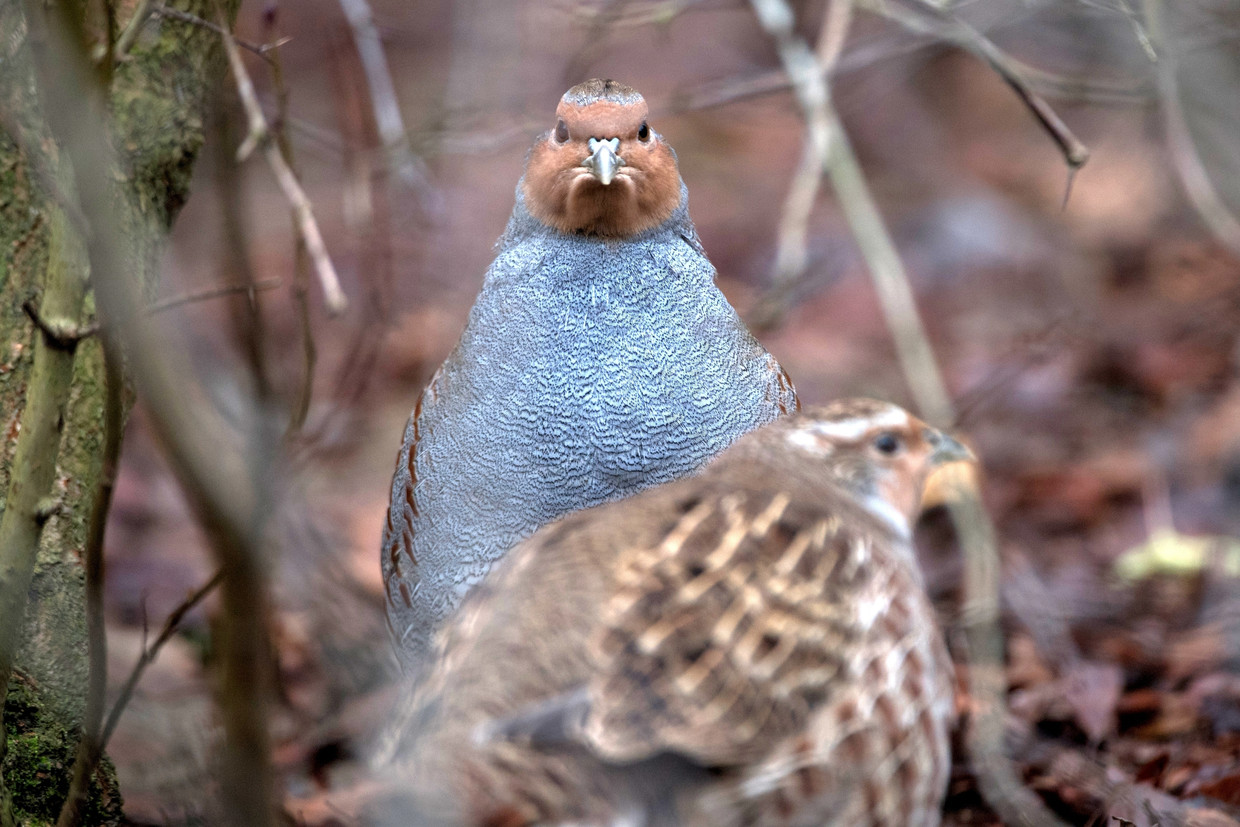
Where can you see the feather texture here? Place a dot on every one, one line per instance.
(590, 367)
(751, 645)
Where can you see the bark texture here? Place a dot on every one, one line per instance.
(157, 101)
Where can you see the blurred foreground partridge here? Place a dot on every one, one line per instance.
(598, 359)
(748, 646)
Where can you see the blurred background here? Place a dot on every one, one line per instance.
(1087, 327)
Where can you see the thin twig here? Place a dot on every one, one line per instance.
(930, 27)
(33, 149)
(246, 317)
(150, 652)
(355, 370)
(90, 748)
(144, 11)
(836, 21)
(309, 350)
(260, 135)
(791, 258)
(769, 82)
(862, 213)
(1139, 30)
(658, 13)
(996, 778)
(260, 49)
(108, 64)
(209, 293)
(866, 54)
(392, 132)
(141, 12)
(485, 140)
(1201, 192)
(301, 265)
(927, 19)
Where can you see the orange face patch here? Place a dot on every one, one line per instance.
(562, 193)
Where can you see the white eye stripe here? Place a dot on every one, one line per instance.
(807, 441)
(857, 427)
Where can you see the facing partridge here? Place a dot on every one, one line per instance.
(748, 646)
(599, 358)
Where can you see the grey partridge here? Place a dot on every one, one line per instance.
(751, 645)
(598, 359)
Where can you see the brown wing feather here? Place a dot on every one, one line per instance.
(400, 565)
(721, 639)
(876, 751)
(785, 392)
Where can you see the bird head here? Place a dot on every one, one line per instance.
(878, 452)
(601, 170)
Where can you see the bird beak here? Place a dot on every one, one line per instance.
(603, 160)
(947, 449)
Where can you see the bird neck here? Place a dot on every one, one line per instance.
(523, 223)
(887, 514)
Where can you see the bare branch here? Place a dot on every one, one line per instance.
(812, 95)
(141, 13)
(144, 11)
(309, 350)
(209, 293)
(246, 317)
(301, 264)
(768, 82)
(151, 651)
(656, 13)
(33, 149)
(946, 26)
(260, 135)
(931, 26)
(1201, 192)
(90, 748)
(58, 333)
(260, 49)
(790, 256)
(392, 132)
(835, 25)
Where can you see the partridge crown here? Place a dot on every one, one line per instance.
(598, 89)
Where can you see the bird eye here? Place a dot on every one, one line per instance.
(887, 443)
(561, 131)
(643, 132)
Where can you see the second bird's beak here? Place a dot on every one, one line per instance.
(947, 449)
(603, 160)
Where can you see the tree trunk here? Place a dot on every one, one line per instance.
(157, 98)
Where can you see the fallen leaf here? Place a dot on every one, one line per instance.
(1169, 552)
(1093, 690)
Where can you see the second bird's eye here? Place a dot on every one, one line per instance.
(887, 443)
(643, 132)
(561, 131)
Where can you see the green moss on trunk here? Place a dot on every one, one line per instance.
(39, 758)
